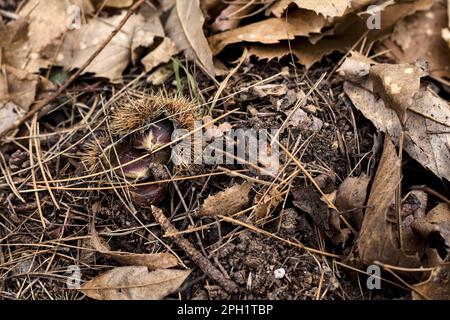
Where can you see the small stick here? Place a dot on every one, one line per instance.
(43, 103)
(204, 264)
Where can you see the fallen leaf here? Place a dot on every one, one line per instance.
(266, 202)
(152, 261)
(230, 17)
(376, 240)
(298, 23)
(18, 86)
(191, 20)
(134, 283)
(299, 119)
(346, 33)
(437, 287)
(48, 21)
(226, 202)
(14, 36)
(327, 8)
(351, 196)
(9, 114)
(146, 35)
(161, 54)
(80, 44)
(435, 228)
(160, 75)
(355, 67)
(396, 84)
(420, 37)
(113, 3)
(426, 125)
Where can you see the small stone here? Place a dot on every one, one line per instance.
(279, 273)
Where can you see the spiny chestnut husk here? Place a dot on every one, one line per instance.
(136, 110)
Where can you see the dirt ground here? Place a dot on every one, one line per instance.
(332, 139)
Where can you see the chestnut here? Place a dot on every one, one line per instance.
(159, 134)
(148, 195)
(137, 170)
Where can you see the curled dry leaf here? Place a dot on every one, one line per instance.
(18, 86)
(265, 203)
(298, 23)
(425, 126)
(435, 228)
(80, 44)
(346, 33)
(152, 261)
(437, 287)
(161, 54)
(376, 240)
(230, 17)
(191, 19)
(134, 283)
(327, 8)
(351, 197)
(113, 3)
(48, 20)
(227, 202)
(396, 84)
(420, 37)
(355, 67)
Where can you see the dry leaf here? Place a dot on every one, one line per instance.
(396, 84)
(355, 67)
(14, 36)
(437, 287)
(161, 54)
(298, 23)
(376, 240)
(327, 8)
(9, 114)
(48, 20)
(145, 35)
(134, 283)
(191, 20)
(113, 3)
(420, 37)
(80, 44)
(226, 202)
(152, 261)
(425, 137)
(18, 86)
(351, 196)
(230, 17)
(346, 32)
(435, 228)
(265, 203)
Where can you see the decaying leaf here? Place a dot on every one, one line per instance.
(435, 228)
(437, 287)
(80, 44)
(420, 37)
(230, 17)
(152, 261)
(351, 197)
(355, 67)
(346, 33)
(161, 54)
(48, 21)
(425, 126)
(267, 202)
(18, 86)
(191, 20)
(376, 240)
(226, 202)
(113, 3)
(396, 84)
(9, 113)
(298, 23)
(324, 7)
(134, 283)
(14, 36)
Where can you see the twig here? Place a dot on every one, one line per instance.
(203, 263)
(432, 192)
(43, 103)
